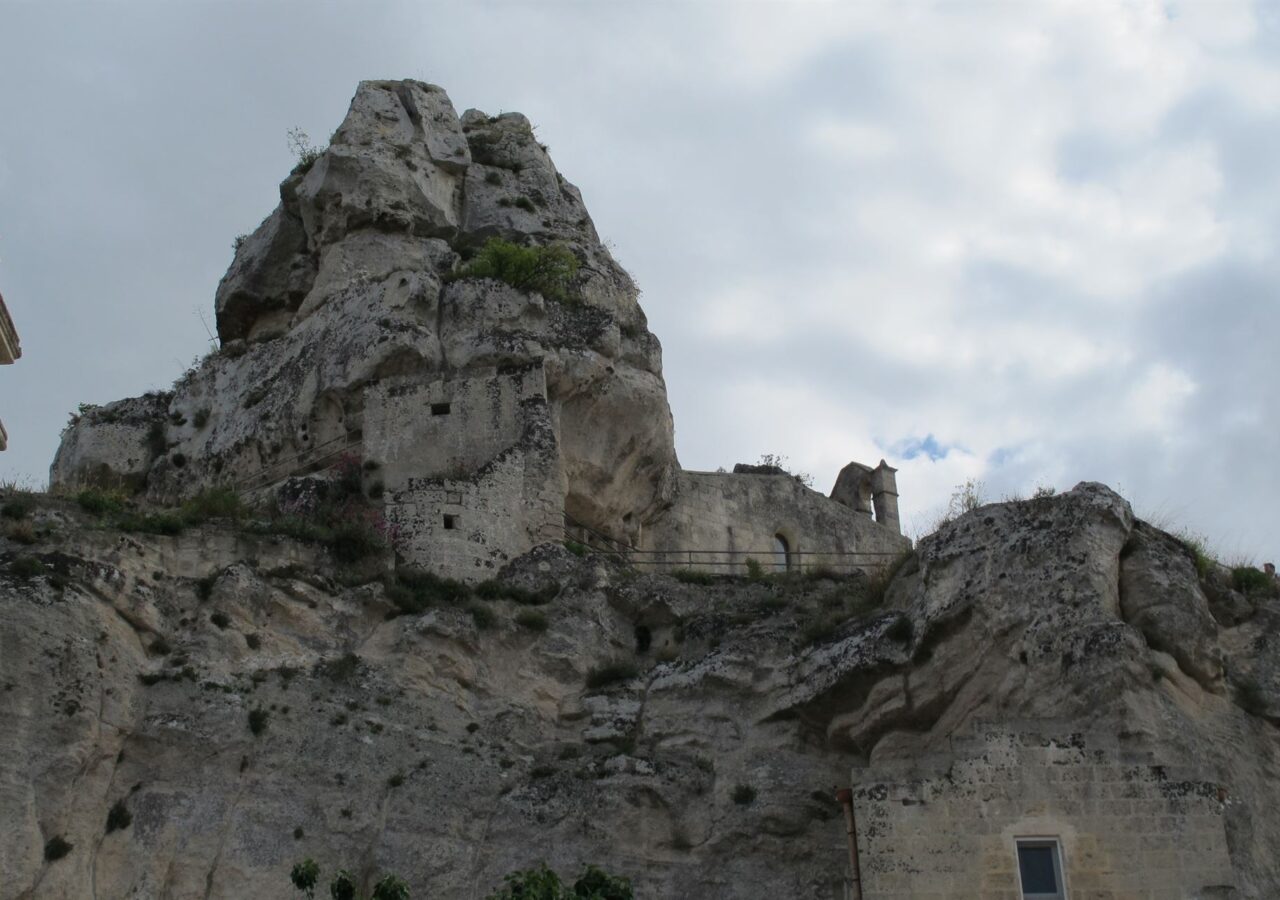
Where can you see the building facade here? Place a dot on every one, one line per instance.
(10, 351)
(1036, 810)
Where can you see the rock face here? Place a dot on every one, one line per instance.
(498, 416)
(346, 285)
(454, 744)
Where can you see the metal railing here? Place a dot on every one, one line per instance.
(726, 562)
(735, 562)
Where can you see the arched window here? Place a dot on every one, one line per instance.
(781, 553)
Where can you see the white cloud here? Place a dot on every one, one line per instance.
(1043, 232)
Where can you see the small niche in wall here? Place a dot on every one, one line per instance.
(439, 409)
(450, 522)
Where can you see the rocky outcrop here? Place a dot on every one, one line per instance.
(614, 723)
(351, 280)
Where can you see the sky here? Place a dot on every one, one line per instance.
(1025, 243)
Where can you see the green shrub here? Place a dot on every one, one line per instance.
(576, 548)
(547, 270)
(157, 440)
(1198, 549)
(396, 780)
(27, 567)
(258, 720)
(305, 875)
(690, 576)
(18, 506)
(202, 415)
(389, 887)
(56, 848)
(151, 523)
(304, 151)
(342, 886)
(596, 884)
(821, 628)
(214, 503)
(354, 541)
(755, 571)
(611, 673)
(414, 591)
(99, 502)
(342, 669)
(496, 590)
(118, 817)
(744, 795)
(534, 621)
(533, 884)
(482, 616)
(492, 178)
(1250, 581)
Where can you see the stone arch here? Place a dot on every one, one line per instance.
(784, 547)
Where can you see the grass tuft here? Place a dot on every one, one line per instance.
(258, 720)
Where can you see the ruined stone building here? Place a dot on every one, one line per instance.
(488, 418)
(10, 350)
(1045, 698)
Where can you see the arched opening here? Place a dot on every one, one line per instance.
(781, 553)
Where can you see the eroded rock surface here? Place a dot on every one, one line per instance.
(453, 753)
(347, 283)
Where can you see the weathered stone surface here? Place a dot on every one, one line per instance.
(1014, 612)
(1160, 595)
(344, 285)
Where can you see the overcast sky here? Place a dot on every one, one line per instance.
(1029, 243)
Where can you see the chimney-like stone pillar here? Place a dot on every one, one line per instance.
(884, 495)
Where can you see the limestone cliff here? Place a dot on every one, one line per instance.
(452, 742)
(351, 281)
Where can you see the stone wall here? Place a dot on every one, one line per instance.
(1127, 827)
(471, 472)
(735, 517)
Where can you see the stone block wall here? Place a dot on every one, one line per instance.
(447, 427)
(735, 517)
(1127, 827)
(474, 485)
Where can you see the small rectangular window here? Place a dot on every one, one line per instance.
(439, 409)
(1040, 869)
(450, 522)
